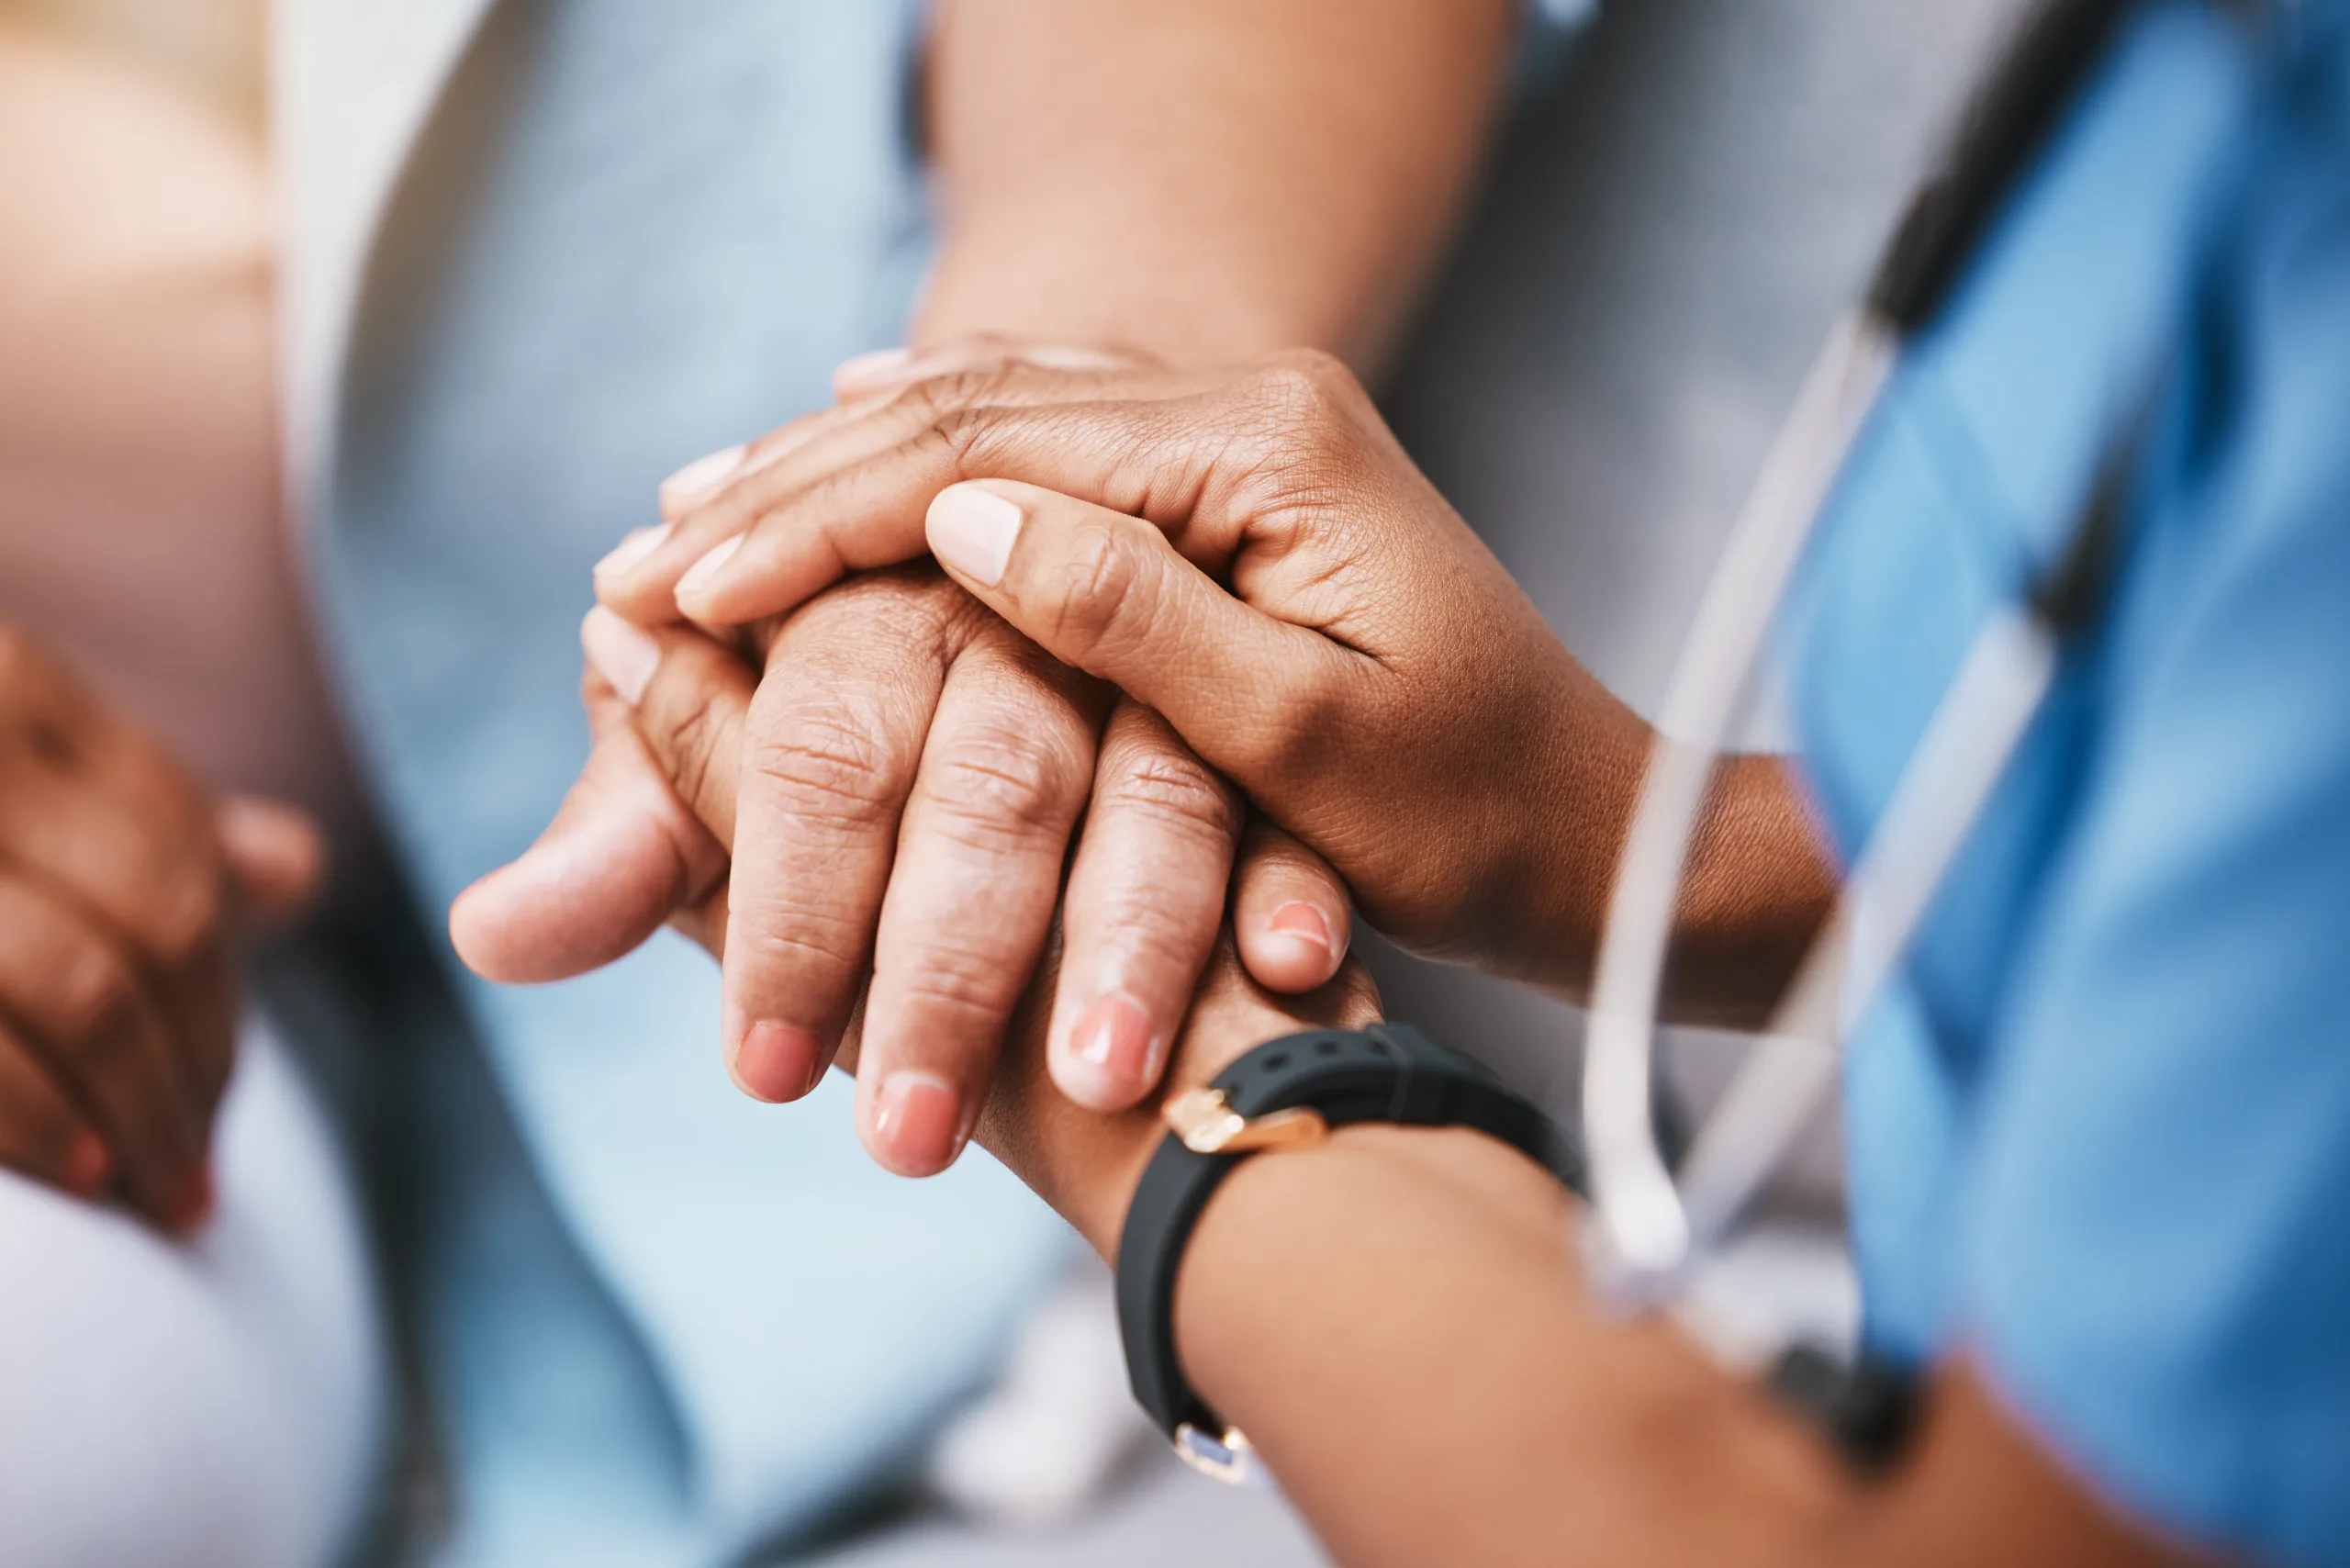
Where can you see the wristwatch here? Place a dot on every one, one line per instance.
(1288, 1094)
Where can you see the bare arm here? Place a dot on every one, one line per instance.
(1398, 1322)
(1203, 179)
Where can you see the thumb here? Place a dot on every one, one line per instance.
(621, 855)
(1107, 593)
(274, 853)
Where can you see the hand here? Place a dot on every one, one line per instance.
(908, 755)
(1378, 685)
(122, 887)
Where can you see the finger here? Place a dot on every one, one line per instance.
(1108, 593)
(276, 854)
(887, 370)
(751, 552)
(41, 1135)
(639, 577)
(1146, 897)
(625, 851)
(1290, 914)
(1232, 1014)
(830, 749)
(108, 824)
(78, 1001)
(1004, 772)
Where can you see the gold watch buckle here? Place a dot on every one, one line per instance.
(1207, 1124)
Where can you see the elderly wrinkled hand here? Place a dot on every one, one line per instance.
(1252, 557)
(921, 781)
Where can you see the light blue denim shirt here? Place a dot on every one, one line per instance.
(669, 1321)
(2100, 1133)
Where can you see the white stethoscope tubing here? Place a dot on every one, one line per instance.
(1641, 1221)
(1648, 1230)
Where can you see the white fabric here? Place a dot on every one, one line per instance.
(208, 1404)
(352, 82)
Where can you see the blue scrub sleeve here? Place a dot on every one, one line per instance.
(2155, 1263)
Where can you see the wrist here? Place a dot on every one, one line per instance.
(1756, 886)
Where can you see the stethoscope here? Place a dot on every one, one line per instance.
(1647, 1228)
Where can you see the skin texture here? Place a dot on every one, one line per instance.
(1290, 181)
(1252, 555)
(1323, 1300)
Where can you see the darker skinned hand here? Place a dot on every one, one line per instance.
(123, 887)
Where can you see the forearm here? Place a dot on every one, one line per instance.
(1758, 885)
(1203, 179)
(1397, 1322)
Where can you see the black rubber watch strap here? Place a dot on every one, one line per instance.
(1385, 1073)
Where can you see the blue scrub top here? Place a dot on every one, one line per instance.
(2099, 1132)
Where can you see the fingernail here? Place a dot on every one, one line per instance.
(701, 479)
(972, 530)
(1114, 1038)
(621, 652)
(1052, 358)
(776, 1062)
(639, 544)
(704, 572)
(869, 367)
(1301, 921)
(88, 1165)
(191, 1205)
(917, 1123)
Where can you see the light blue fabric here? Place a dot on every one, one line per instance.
(2100, 1135)
(633, 234)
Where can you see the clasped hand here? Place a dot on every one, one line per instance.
(1168, 601)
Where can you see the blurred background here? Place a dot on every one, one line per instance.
(213, 49)
(1666, 231)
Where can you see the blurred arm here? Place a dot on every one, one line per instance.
(1203, 179)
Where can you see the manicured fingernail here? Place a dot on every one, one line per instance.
(701, 479)
(704, 572)
(871, 367)
(621, 652)
(918, 1122)
(776, 1062)
(640, 543)
(88, 1165)
(972, 530)
(191, 1205)
(1301, 921)
(1114, 1038)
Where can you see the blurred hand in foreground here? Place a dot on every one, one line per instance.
(123, 888)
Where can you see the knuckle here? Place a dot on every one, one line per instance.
(1310, 387)
(1107, 591)
(976, 987)
(995, 784)
(1172, 790)
(778, 935)
(187, 913)
(94, 999)
(952, 392)
(828, 765)
(688, 739)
